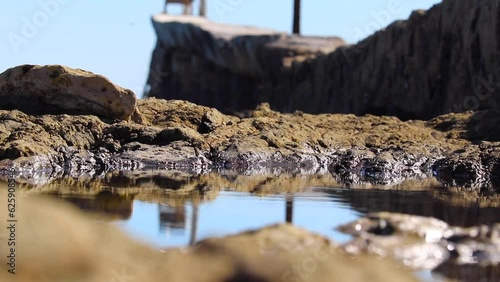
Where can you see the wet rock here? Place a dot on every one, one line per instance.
(459, 171)
(421, 242)
(82, 252)
(57, 89)
(411, 239)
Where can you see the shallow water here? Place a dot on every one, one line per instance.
(233, 212)
(318, 210)
(171, 209)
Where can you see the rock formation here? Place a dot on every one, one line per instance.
(438, 61)
(460, 149)
(75, 134)
(227, 67)
(165, 151)
(57, 89)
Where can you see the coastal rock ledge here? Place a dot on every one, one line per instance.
(458, 149)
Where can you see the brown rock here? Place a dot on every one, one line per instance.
(178, 134)
(22, 135)
(61, 90)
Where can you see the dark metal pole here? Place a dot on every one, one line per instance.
(289, 208)
(296, 16)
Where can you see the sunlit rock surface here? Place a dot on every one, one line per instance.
(458, 149)
(58, 89)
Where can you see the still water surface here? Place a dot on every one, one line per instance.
(233, 212)
(187, 220)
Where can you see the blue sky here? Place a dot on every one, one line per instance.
(115, 38)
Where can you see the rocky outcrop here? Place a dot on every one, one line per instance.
(180, 135)
(91, 251)
(223, 66)
(438, 61)
(58, 89)
(459, 149)
(171, 151)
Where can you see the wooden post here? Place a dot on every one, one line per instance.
(203, 8)
(296, 16)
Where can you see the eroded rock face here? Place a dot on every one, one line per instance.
(91, 251)
(57, 89)
(438, 61)
(226, 66)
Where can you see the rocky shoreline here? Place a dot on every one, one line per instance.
(76, 135)
(362, 150)
(175, 151)
(458, 149)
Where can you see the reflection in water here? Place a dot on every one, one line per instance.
(112, 205)
(289, 208)
(183, 214)
(172, 218)
(194, 225)
(234, 212)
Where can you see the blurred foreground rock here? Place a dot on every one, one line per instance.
(428, 243)
(47, 250)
